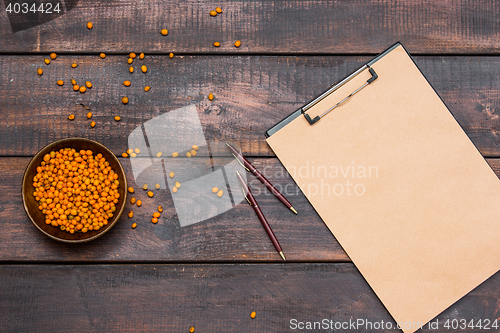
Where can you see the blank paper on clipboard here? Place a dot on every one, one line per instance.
(400, 185)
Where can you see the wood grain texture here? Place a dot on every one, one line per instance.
(265, 27)
(211, 274)
(235, 235)
(212, 298)
(252, 93)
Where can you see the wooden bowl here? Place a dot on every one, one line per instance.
(31, 205)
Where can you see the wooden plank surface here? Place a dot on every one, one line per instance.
(211, 274)
(212, 298)
(252, 93)
(263, 27)
(235, 235)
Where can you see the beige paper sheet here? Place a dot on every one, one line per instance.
(423, 227)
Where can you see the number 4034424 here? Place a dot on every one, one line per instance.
(477, 324)
(44, 7)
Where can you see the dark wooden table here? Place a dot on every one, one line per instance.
(213, 274)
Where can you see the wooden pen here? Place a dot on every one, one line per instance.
(251, 200)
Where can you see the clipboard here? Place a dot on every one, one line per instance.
(399, 184)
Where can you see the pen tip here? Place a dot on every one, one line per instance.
(293, 210)
(282, 255)
(227, 144)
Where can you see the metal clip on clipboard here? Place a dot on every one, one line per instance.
(334, 88)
